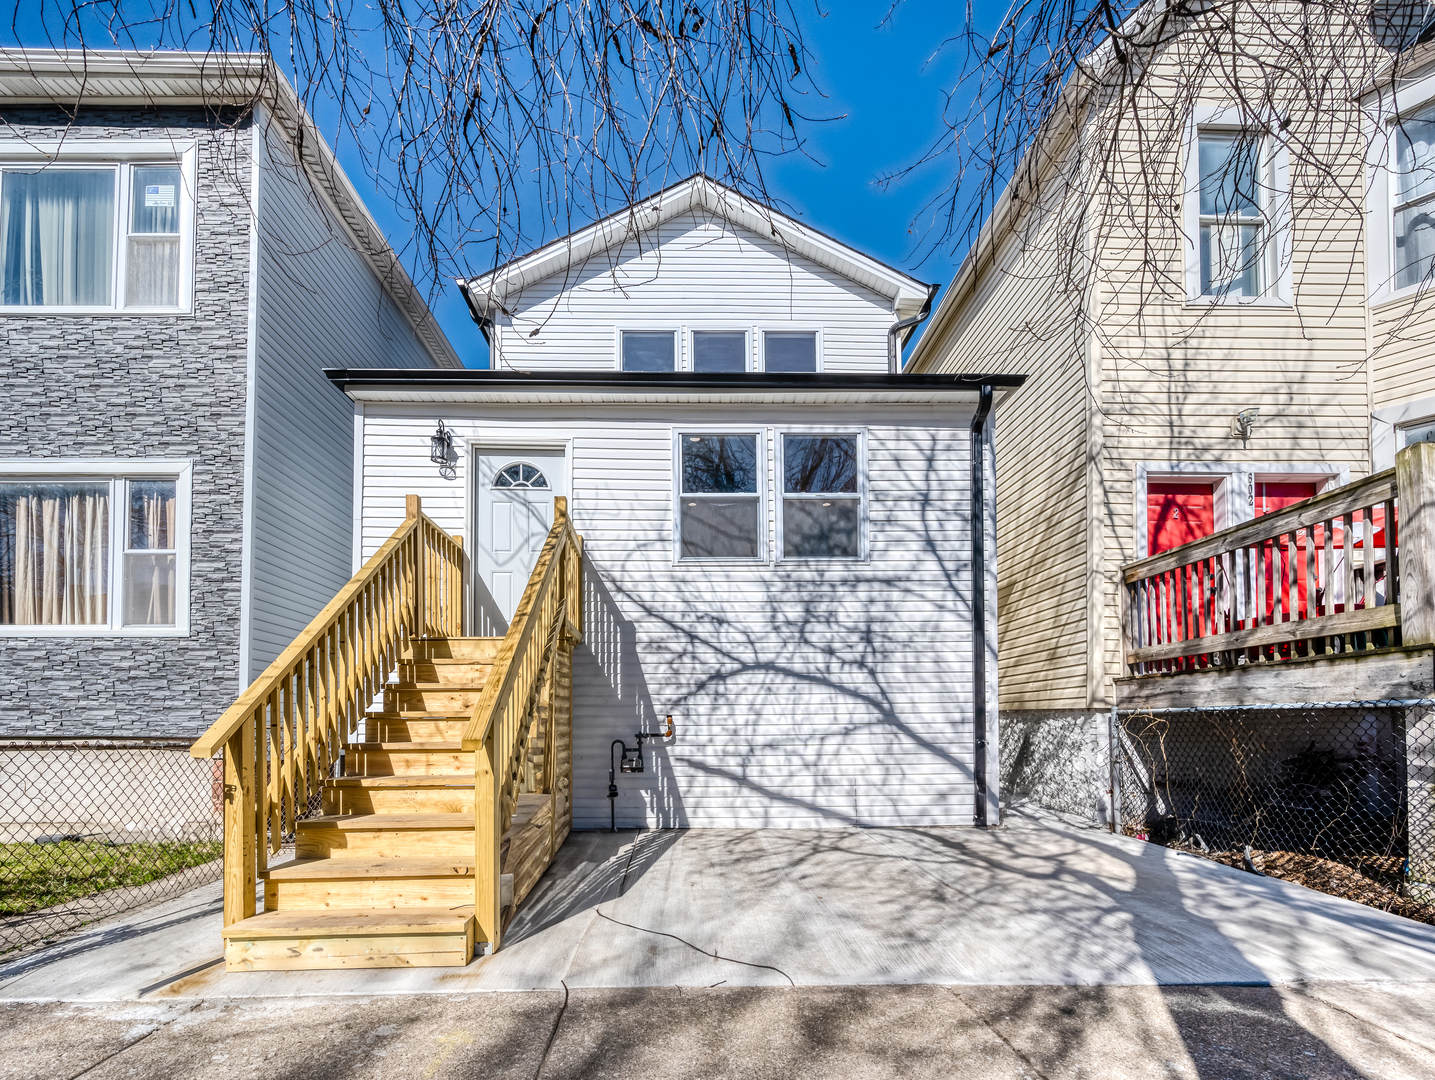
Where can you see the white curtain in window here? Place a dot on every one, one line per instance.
(150, 589)
(54, 555)
(56, 236)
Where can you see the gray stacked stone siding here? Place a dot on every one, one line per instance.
(171, 386)
(1058, 759)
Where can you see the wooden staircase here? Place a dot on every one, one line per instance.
(433, 828)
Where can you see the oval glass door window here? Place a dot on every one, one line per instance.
(520, 475)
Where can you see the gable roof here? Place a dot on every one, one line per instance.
(122, 77)
(698, 192)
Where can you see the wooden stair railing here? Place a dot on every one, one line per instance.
(534, 661)
(284, 734)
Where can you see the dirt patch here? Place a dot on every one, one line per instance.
(1375, 883)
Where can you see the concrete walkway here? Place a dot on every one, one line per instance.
(1036, 903)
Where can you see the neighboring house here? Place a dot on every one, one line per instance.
(1156, 415)
(177, 482)
(777, 532)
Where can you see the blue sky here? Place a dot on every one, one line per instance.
(885, 84)
(888, 84)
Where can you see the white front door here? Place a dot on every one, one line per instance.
(516, 488)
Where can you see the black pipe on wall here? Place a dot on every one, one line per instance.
(979, 602)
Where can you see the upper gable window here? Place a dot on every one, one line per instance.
(94, 237)
(719, 350)
(647, 350)
(1414, 200)
(788, 351)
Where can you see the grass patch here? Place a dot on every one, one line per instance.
(36, 876)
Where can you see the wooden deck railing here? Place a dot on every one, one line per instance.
(1344, 572)
(1329, 575)
(549, 619)
(284, 734)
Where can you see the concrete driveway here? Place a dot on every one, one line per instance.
(1034, 951)
(1036, 903)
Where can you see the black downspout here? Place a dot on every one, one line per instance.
(483, 321)
(979, 601)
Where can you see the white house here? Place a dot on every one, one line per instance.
(778, 532)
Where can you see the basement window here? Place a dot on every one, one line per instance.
(719, 496)
(93, 555)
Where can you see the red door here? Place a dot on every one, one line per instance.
(1177, 513)
(1270, 498)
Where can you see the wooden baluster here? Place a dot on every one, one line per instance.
(1392, 586)
(274, 823)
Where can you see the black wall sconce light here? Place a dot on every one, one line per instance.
(441, 450)
(630, 760)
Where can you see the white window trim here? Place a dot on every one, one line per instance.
(115, 470)
(780, 495)
(761, 332)
(673, 329)
(760, 433)
(122, 155)
(1234, 484)
(1387, 429)
(1276, 215)
(1380, 209)
(689, 355)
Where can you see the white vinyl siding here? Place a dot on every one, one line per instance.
(693, 273)
(806, 693)
(319, 305)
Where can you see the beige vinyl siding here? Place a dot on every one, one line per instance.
(1175, 374)
(1403, 335)
(804, 694)
(319, 305)
(1009, 325)
(699, 272)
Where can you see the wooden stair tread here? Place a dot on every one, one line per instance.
(404, 780)
(358, 869)
(418, 714)
(395, 822)
(432, 745)
(352, 922)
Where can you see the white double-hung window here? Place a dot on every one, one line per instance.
(82, 234)
(1234, 238)
(1413, 210)
(94, 548)
(1237, 213)
(822, 496)
(720, 495)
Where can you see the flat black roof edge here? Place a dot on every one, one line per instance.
(474, 378)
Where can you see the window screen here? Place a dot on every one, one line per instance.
(646, 350)
(789, 352)
(150, 554)
(152, 258)
(719, 509)
(821, 497)
(719, 350)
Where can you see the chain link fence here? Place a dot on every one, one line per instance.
(90, 829)
(1340, 797)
